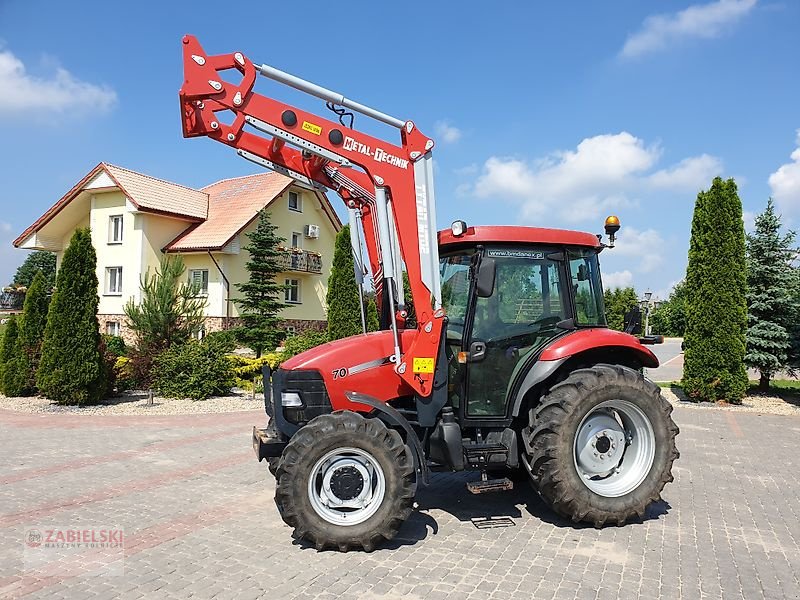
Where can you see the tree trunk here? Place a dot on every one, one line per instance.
(763, 383)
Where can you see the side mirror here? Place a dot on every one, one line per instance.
(486, 276)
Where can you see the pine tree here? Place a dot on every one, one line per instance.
(344, 314)
(7, 348)
(72, 369)
(19, 378)
(716, 282)
(170, 310)
(772, 283)
(262, 302)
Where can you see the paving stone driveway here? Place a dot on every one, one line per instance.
(200, 522)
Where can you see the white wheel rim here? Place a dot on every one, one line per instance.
(614, 448)
(346, 486)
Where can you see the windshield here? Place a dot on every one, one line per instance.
(585, 271)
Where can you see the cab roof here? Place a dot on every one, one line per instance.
(510, 234)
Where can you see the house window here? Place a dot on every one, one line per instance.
(115, 229)
(297, 240)
(199, 333)
(112, 327)
(199, 277)
(114, 280)
(292, 292)
(295, 202)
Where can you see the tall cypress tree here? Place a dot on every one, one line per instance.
(19, 378)
(344, 314)
(373, 323)
(262, 300)
(772, 283)
(72, 370)
(716, 282)
(7, 348)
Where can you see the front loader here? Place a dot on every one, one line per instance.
(509, 369)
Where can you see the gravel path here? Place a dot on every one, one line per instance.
(135, 403)
(771, 405)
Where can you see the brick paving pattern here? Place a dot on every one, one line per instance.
(200, 521)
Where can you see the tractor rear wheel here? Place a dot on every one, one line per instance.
(601, 444)
(345, 481)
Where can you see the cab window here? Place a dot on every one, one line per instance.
(586, 287)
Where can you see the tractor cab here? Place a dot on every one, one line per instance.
(508, 293)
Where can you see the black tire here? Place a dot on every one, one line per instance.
(310, 444)
(550, 437)
(272, 465)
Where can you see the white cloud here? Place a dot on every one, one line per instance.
(785, 184)
(602, 174)
(690, 174)
(617, 279)
(61, 92)
(702, 21)
(645, 247)
(448, 133)
(749, 219)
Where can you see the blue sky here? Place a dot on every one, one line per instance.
(547, 114)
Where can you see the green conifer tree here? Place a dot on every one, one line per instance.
(262, 303)
(40, 260)
(344, 314)
(772, 282)
(72, 369)
(7, 348)
(19, 378)
(373, 322)
(618, 302)
(716, 281)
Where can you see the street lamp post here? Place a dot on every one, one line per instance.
(645, 304)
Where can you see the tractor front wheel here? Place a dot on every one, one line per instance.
(601, 444)
(345, 481)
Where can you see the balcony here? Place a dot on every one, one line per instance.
(297, 260)
(12, 299)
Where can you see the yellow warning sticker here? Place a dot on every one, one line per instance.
(423, 365)
(311, 128)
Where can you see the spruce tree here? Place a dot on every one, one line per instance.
(7, 348)
(716, 311)
(344, 314)
(72, 370)
(19, 378)
(262, 302)
(771, 287)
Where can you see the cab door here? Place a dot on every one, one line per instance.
(518, 318)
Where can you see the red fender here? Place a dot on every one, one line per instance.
(591, 339)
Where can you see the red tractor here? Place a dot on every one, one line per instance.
(509, 369)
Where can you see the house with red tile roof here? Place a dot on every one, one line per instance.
(136, 219)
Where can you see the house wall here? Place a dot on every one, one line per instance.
(103, 207)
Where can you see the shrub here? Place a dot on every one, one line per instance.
(196, 370)
(72, 370)
(311, 338)
(123, 373)
(115, 344)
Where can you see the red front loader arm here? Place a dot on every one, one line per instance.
(392, 185)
